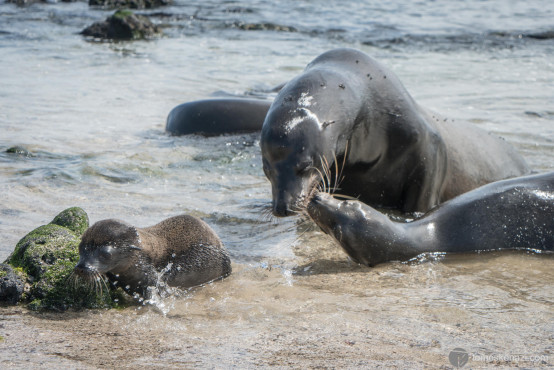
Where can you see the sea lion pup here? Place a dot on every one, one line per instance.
(181, 251)
(348, 116)
(510, 214)
(211, 117)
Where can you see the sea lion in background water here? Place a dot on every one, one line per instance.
(217, 116)
(510, 214)
(181, 251)
(348, 114)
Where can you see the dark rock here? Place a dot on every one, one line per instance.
(23, 2)
(28, 2)
(12, 284)
(20, 151)
(129, 4)
(263, 27)
(123, 25)
(546, 35)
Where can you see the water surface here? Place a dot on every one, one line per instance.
(92, 115)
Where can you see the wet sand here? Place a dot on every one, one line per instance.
(324, 313)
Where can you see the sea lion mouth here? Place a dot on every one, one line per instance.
(288, 204)
(86, 272)
(89, 277)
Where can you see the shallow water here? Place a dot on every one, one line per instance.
(92, 116)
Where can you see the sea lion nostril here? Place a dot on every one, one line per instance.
(83, 269)
(282, 210)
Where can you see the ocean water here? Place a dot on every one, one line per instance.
(92, 114)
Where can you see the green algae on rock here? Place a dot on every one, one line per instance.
(75, 219)
(123, 25)
(47, 256)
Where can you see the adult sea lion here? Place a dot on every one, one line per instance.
(217, 116)
(181, 251)
(347, 114)
(510, 214)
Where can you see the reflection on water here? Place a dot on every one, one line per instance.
(89, 117)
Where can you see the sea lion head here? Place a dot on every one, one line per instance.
(352, 224)
(294, 153)
(107, 246)
(333, 216)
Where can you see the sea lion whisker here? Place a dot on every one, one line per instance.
(101, 283)
(327, 170)
(95, 283)
(105, 283)
(344, 196)
(269, 217)
(90, 285)
(323, 170)
(328, 174)
(322, 179)
(335, 187)
(73, 278)
(339, 176)
(300, 235)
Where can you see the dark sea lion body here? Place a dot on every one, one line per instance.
(398, 155)
(510, 214)
(181, 251)
(217, 116)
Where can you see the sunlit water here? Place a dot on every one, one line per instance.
(92, 116)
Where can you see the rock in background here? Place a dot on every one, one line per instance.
(123, 25)
(131, 4)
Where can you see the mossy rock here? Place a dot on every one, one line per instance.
(132, 4)
(263, 27)
(42, 247)
(46, 258)
(123, 25)
(75, 219)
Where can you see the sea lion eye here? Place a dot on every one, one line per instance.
(304, 167)
(105, 252)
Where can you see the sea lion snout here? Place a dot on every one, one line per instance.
(84, 269)
(322, 208)
(291, 198)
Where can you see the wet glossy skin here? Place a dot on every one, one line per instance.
(217, 116)
(182, 251)
(511, 214)
(398, 155)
